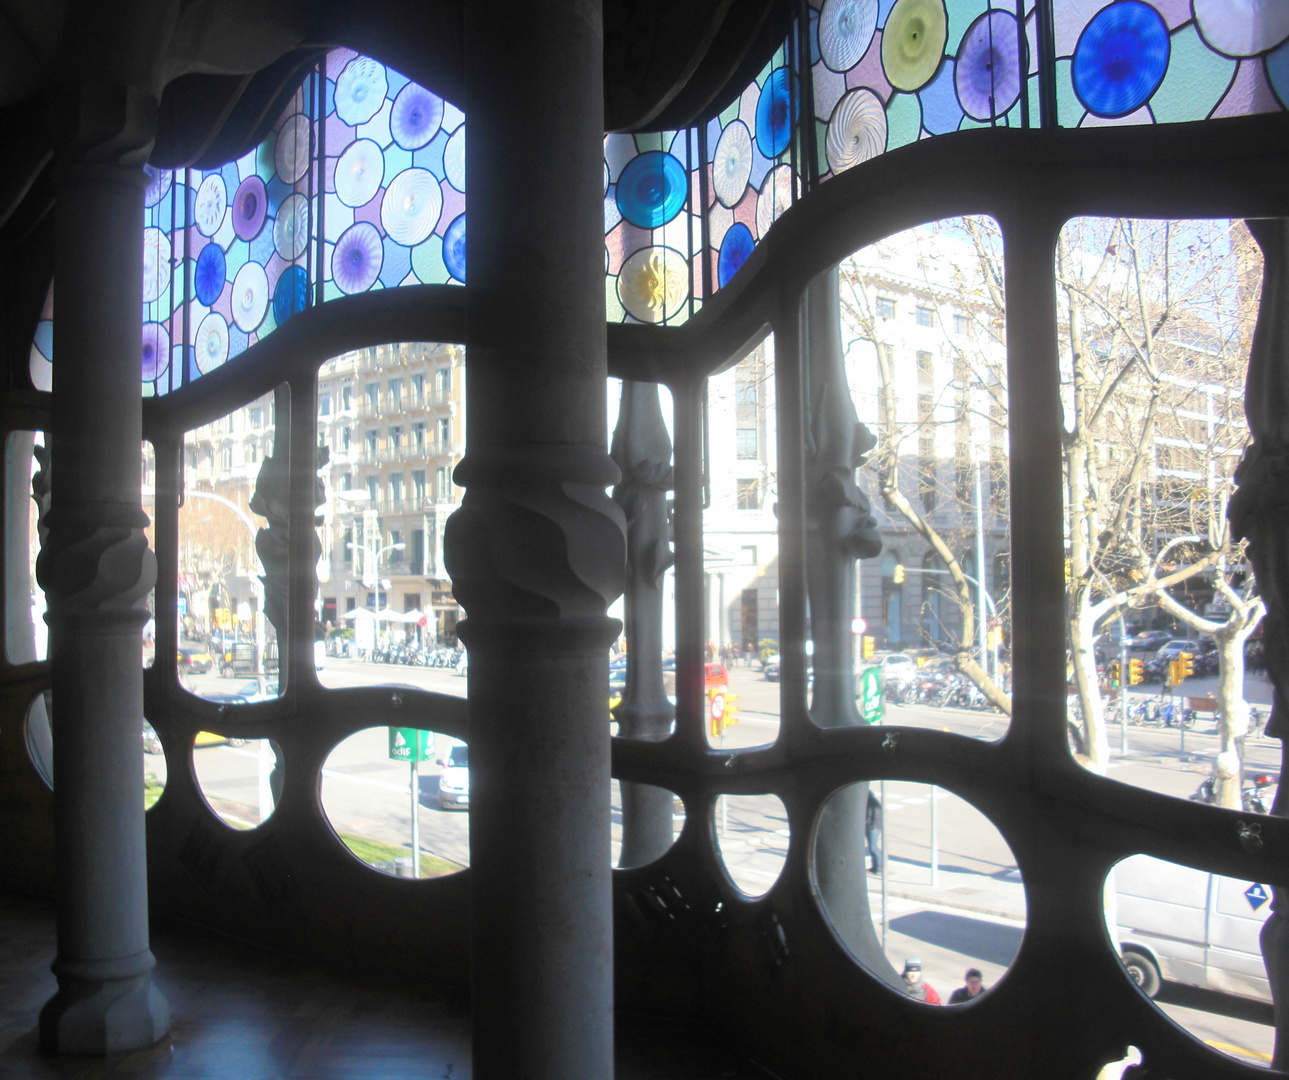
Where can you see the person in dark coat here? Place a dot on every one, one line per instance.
(974, 988)
(873, 831)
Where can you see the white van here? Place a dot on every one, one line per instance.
(1188, 926)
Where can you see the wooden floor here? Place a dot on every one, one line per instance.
(244, 1014)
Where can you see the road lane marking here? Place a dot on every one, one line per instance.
(1228, 1048)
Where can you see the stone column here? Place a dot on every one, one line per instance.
(537, 549)
(96, 570)
(839, 530)
(1259, 513)
(642, 450)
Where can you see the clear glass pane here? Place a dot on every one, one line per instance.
(1156, 320)
(944, 890)
(752, 840)
(240, 779)
(367, 796)
(924, 336)
(1190, 941)
(740, 553)
(25, 631)
(392, 418)
(228, 647)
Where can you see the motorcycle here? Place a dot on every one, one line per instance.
(1255, 796)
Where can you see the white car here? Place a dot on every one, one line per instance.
(454, 780)
(897, 668)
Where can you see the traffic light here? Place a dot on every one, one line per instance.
(1136, 672)
(716, 711)
(1185, 665)
(1114, 674)
(869, 646)
(898, 576)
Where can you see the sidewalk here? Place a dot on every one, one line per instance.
(999, 896)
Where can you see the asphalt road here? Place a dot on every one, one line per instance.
(954, 893)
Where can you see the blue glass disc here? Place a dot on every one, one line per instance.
(454, 248)
(774, 115)
(735, 248)
(1121, 58)
(652, 189)
(291, 294)
(210, 274)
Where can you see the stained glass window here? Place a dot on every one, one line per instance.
(361, 183)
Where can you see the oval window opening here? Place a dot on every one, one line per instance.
(752, 840)
(920, 888)
(368, 786)
(240, 779)
(647, 821)
(1190, 941)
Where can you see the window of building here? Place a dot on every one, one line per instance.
(444, 377)
(348, 546)
(746, 443)
(926, 369)
(749, 495)
(396, 394)
(346, 481)
(445, 434)
(226, 459)
(418, 485)
(923, 316)
(373, 489)
(396, 488)
(418, 436)
(885, 307)
(441, 485)
(745, 392)
(418, 554)
(252, 452)
(395, 438)
(418, 389)
(749, 554)
(345, 437)
(960, 325)
(324, 404)
(256, 417)
(346, 398)
(373, 442)
(373, 396)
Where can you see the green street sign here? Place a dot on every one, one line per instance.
(410, 744)
(871, 702)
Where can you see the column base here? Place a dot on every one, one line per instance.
(104, 1016)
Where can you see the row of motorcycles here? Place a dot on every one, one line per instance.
(940, 687)
(414, 655)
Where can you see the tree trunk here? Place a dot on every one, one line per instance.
(1096, 743)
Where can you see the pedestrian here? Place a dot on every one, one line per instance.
(915, 986)
(974, 988)
(873, 832)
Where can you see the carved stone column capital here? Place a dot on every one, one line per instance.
(536, 536)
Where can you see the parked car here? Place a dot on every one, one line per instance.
(1190, 926)
(897, 668)
(194, 659)
(1149, 640)
(151, 744)
(770, 669)
(454, 780)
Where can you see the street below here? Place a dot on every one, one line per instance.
(954, 892)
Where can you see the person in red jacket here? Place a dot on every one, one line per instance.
(915, 986)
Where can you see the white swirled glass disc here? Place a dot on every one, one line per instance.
(454, 159)
(359, 173)
(156, 264)
(291, 154)
(291, 228)
(856, 130)
(250, 296)
(732, 163)
(774, 199)
(1243, 27)
(211, 344)
(653, 284)
(411, 206)
(360, 91)
(210, 204)
(846, 30)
